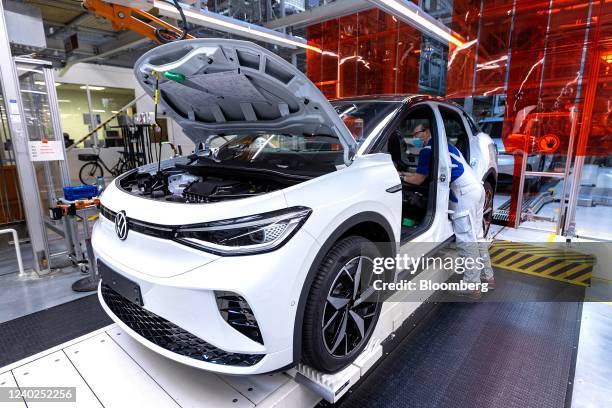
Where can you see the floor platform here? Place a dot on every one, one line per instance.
(501, 352)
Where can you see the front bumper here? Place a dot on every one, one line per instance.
(180, 316)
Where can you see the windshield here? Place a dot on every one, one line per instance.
(366, 118)
(301, 152)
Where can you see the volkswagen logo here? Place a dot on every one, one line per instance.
(121, 225)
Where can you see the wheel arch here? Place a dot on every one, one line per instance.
(491, 177)
(370, 225)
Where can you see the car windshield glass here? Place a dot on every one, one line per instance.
(281, 150)
(366, 118)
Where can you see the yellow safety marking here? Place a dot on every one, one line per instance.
(543, 261)
(513, 258)
(526, 261)
(508, 256)
(500, 255)
(551, 238)
(575, 270)
(556, 267)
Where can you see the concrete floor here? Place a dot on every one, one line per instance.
(593, 378)
(22, 295)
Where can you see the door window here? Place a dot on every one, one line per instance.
(456, 134)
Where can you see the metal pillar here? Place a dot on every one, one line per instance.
(92, 117)
(19, 137)
(55, 121)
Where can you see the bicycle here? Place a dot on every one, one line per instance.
(94, 167)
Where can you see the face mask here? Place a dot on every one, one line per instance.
(418, 143)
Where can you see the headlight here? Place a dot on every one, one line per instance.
(244, 235)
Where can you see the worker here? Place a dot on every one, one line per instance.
(467, 197)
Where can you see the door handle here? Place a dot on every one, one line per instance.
(394, 189)
(442, 178)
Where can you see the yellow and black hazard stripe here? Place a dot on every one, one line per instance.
(550, 262)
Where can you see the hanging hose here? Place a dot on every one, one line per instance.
(157, 127)
(165, 36)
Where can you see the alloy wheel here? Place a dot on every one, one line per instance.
(350, 308)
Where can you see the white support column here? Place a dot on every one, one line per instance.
(19, 137)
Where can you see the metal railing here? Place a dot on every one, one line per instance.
(17, 249)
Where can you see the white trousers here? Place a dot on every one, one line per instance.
(469, 232)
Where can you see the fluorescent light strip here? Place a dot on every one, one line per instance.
(93, 88)
(238, 27)
(42, 83)
(33, 92)
(417, 18)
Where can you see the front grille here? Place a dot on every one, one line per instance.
(147, 228)
(169, 336)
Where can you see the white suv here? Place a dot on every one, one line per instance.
(246, 256)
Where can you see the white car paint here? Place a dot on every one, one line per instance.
(178, 282)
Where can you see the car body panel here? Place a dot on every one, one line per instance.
(178, 283)
(232, 85)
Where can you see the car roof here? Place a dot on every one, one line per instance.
(403, 98)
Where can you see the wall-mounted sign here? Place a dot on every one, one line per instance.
(46, 150)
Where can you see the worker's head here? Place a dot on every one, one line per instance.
(422, 132)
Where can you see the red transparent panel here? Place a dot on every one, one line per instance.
(329, 58)
(313, 58)
(460, 76)
(525, 72)
(347, 50)
(598, 140)
(408, 54)
(369, 53)
(363, 54)
(493, 47)
(527, 57)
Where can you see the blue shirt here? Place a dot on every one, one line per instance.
(456, 166)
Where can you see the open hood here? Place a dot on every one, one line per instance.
(211, 86)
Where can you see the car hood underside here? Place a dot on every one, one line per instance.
(220, 86)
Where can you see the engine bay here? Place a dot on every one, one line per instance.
(203, 181)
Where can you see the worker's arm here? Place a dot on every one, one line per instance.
(415, 178)
(422, 169)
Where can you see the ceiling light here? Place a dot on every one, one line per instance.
(34, 92)
(42, 83)
(233, 26)
(93, 88)
(64, 100)
(416, 17)
(98, 110)
(38, 71)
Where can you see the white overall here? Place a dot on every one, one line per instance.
(467, 222)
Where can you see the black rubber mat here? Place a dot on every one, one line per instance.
(31, 334)
(511, 354)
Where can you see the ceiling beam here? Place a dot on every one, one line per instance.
(338, 8)
(78, 20)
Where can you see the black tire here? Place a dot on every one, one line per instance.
(90, 172)
(487, 217)
(324, 346)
